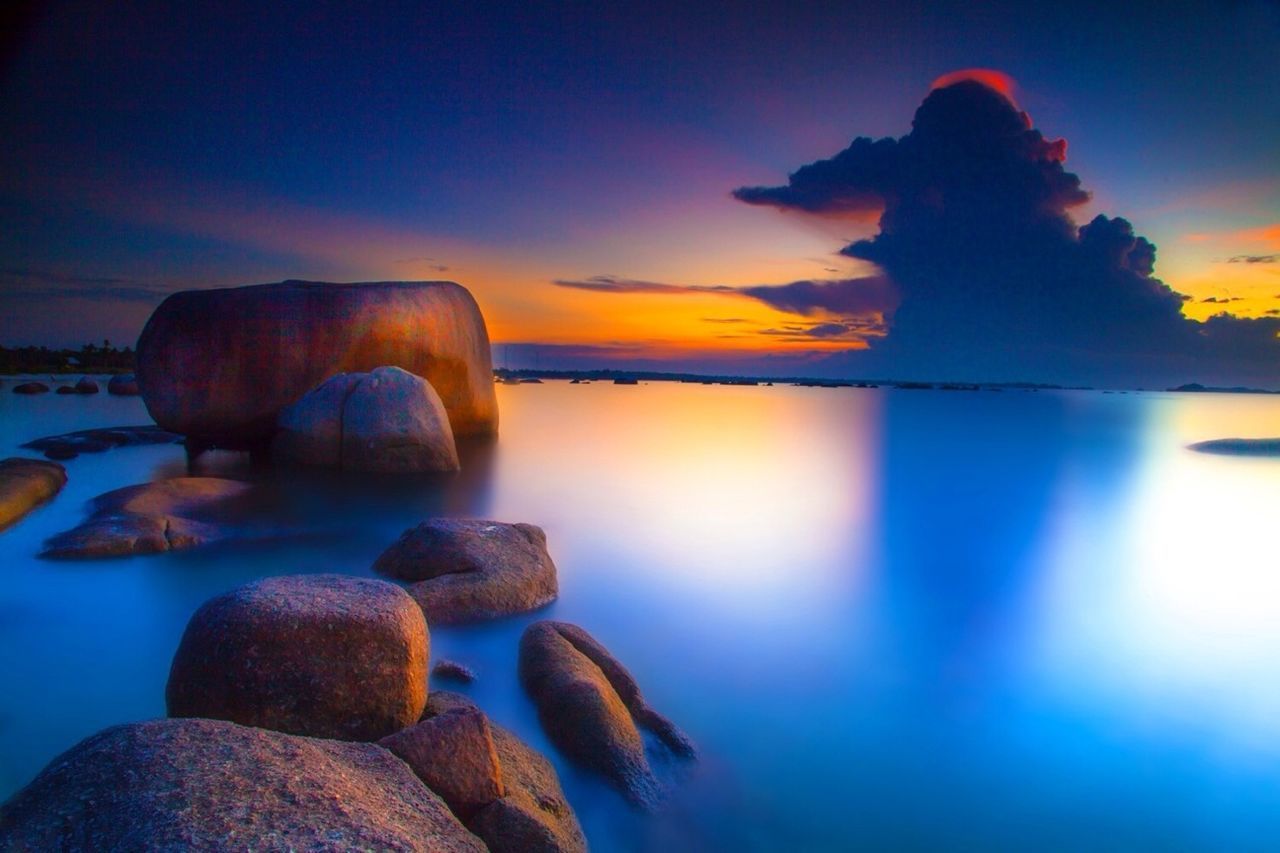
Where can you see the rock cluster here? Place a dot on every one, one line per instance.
(72, 444)
(25, 484)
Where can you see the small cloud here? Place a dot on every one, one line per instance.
(1221, 300)
(1254, 259)
(24, 283)
(430, 263)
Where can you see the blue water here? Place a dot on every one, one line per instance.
(893, 619)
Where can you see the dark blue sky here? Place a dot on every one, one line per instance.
(512, 145)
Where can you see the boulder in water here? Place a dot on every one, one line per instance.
(25, 484)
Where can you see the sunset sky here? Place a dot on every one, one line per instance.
(574, 165)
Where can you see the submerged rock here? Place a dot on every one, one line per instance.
(468, 569)
(31, 388)
(386, 420)
(123, 385)
(72, 444)
(166, 515)
(213, 785)
(532, 815)
(453, 754)
(220, 365)
(590, 706)
(320, 655)
(25, 484)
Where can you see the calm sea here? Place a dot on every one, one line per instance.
(890, 618)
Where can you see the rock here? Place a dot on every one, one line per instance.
(86, 386)
(453, 754)
(387, 420)
(31, 388)
(66, 389)
(123, 385)
(25, 484)
(212, 785)
(533, 815)
(590, 706)
(71, 444)
(453, 671)
(320, 655)
(220, 365)
(470, 569)
(166, 515)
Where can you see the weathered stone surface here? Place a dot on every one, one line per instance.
(471, 569)
(87, 386)
(166, 515)
(25, 484)
(386, 420)
(533, 816)
(453, 754)
(320, 655)
(123, 385)
(220, 365)
(31, 388)
(590, 707)
(72, 444)
(212, 785)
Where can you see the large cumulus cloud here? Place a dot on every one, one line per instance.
(995, 278)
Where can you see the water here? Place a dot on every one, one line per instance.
(895, 619)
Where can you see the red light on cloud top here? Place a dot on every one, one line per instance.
(988, 77)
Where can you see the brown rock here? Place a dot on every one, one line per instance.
(590, 707)
(471, 569)
(31, 388)
(86, 386)
(166, 515)
(72, 444)
(453, 754)
(220, 365)
(123, 385)
(25, 484)
(450, 670)
(320, 655)
(212, 785)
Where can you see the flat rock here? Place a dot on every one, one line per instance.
(220, 365)
(31, 388)
(72, 444)
(25, 484)
(213, 785)
(320, 655)
(149, 518)
(533, 815)
(123, 385)
(387, 420)
(453, 754)
(472, 569)
(590, 707)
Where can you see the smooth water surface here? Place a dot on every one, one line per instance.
(889, 618)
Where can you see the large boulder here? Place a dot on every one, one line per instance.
(590, 707)
(320, 655)
(467, 569)
(532, 815)
(220, 365)
(453, 754)
(387, 420)
(212, 785)
(25, 484)
(123, 385)
(149, 518)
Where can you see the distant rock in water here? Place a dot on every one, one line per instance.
(590, 707)
(31, 388)
(25, 484)
(72, 444)
(320, 655)
(1240, 446)
(86, 386)
(469, 569)
(124, 385)
(66, 389)
(166, 515)
(387, 420)
(220, 365)
(213, 785)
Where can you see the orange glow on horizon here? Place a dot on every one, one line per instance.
(998, 80)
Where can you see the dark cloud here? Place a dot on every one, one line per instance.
(1221, 300)
(995, 279)
(431, 263)
(25, 284)
(1254, 259)
(617, 284)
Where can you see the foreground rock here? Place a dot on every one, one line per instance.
(453, 753)
(123, 385)
(320, 655)
(166, 515)
(532, 815)
(31, 388)
(212, 785)
(220, 365)
(1240, 446)
(387, 420)
(471, 569)
(72, 444)
(25, 484)
(591, 706)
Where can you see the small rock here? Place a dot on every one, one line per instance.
(66, 389)
(453, 754)
(25, 484)
(123, 385)
(86, 386)
(472, 569)
(71, 444)
(31, 388)
(320, 655)
(453, 671)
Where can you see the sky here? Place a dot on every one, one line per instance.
(612, 181)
